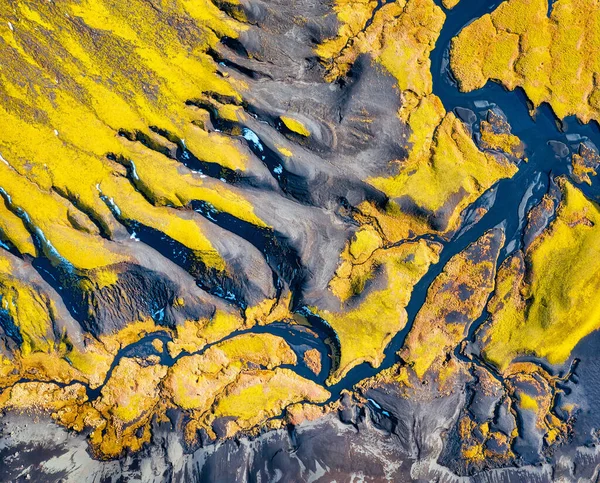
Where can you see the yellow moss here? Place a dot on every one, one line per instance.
(269, 311)
(195, 381)
(353, 15)
(131, 391)
(585, 164)
(188, 338)
(66, 405)
(94, 362)
(46, 366)
(295, 126)
(554, 59)
(158, 345)
(552, 436)
(31, 312)
(259, 395)
(423, 355)
(285, 151)
(268, 350)
(365, 242)
(7, 368)
(45, 397)
(423, 120)
(454, 168)
(230, 112)
(449, 4)
(550, 310)
(5, 264)
(312, 360)
(528, 402)
(129, 334)
(298, 413)
(502, 140)
(474, 453)
(408, 36)
(394, 224)
(13, 230)
(193, 335)
(365, 330)
(445, 316)
(581, 172)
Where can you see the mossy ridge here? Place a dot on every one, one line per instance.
(65, 66)
(451, 175)
(544, 301)
(295, 126)
(27, 314)
(364, 329)
(131, 207)
(400, 35)
(357, 263)
(554, 59)
(166, 183)
(14, 232)
(455, 299)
